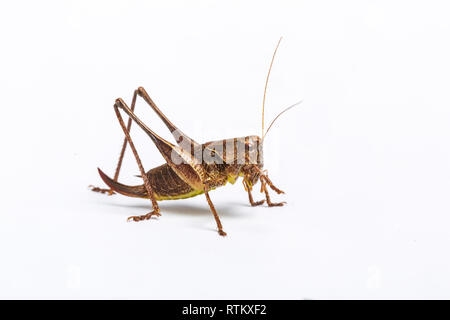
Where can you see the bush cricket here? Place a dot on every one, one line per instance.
(191, 168)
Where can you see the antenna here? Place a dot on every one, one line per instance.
(267, 82)
(270, 126)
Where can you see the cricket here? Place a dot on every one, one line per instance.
(192, 169)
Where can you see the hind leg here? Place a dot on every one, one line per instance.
(122, 152)
(144, 216)
(179, 136)
(150, 193)
(109, 191)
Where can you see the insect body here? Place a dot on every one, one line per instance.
(191, 168)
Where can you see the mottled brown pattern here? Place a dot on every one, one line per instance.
(189, 175)
(167, 183)
(164, 182)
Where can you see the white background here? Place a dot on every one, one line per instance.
(364, 161)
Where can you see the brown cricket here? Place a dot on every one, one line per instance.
(191, 168)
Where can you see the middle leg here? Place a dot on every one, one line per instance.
(216, 216)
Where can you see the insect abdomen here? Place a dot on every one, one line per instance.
(165, 183)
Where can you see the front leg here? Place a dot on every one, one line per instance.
(264, 188)
(271, 185)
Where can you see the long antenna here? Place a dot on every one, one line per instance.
(267, 82)
(270, 126)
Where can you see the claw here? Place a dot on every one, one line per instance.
(276, 204)
(110, 192)
(257, 203)
(143, 217)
